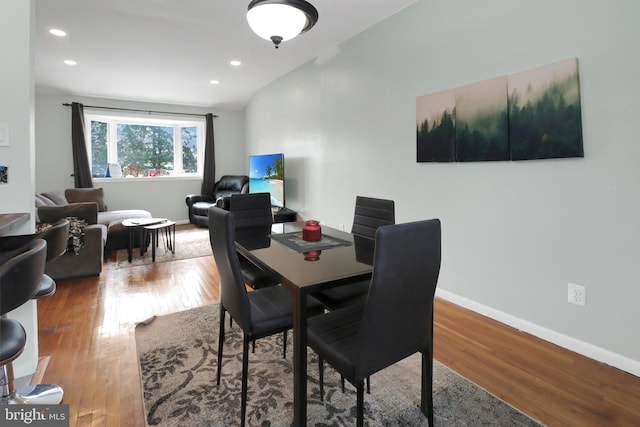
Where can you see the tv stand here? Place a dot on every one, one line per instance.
(283, 215)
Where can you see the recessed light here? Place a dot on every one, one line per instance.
(70, 62)
(215, 82)
(235, 63)
(57, 32)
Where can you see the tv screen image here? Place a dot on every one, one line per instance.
(266, 175)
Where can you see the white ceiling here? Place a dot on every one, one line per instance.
(168, 51)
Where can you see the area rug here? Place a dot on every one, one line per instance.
(191, 242)
(178, 355)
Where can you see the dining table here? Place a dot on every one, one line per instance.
(304, 268)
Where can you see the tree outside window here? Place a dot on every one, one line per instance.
(145, 147)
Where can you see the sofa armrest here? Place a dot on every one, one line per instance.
(194, 198)
(88, 261)
(87, 211)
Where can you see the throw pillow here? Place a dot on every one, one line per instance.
(56, 197)
(96, 195)
(43, 201)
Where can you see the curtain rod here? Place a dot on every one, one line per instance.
(66, 104)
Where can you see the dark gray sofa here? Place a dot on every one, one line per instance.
(104, 232)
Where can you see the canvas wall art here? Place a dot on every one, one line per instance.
(525, 116)
(481, 121)
(435, 123)
(544, 112)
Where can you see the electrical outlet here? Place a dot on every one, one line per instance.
(577, 294)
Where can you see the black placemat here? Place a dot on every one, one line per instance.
(294, 241)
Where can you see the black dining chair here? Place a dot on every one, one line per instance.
(370, 214)
(395, 322)
(253, 212)
(260, 313)
(20, 278)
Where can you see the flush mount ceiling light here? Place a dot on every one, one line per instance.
(281, 20)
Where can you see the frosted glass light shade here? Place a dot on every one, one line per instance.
(270, 20)
(281, 20)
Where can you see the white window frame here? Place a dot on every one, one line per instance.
(142, 118)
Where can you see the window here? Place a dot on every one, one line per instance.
(145, 146)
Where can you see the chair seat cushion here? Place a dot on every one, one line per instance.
(333, 334)
(255, 277)
(201, 208)
(272, 309)
(343, 296)
(13, 339)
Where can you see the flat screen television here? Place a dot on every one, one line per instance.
(266, 175)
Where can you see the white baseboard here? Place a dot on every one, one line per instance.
(589, 350)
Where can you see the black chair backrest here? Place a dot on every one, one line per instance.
(398, 315)
(370, 214)
(231, 184)
(20, 276)
(233, 293)
(57, 238)
(251, 210)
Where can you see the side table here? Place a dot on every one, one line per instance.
(169, 229)
(139, 223)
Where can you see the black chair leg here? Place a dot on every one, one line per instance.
(321, 377)
(342, 382)
(245, 369)
(426, 394)
(360, 404)
(220, 343)
(284, 345)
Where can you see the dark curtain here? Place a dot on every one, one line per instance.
(81, 168)
(209, 172)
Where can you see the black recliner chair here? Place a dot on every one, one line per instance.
(199, 204)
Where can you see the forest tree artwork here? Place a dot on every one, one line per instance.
(535, 114)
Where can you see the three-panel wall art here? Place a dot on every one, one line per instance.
(530, 115)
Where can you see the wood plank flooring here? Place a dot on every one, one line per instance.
(86, 330)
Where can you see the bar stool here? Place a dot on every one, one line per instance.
(57, 238)
(20, 278)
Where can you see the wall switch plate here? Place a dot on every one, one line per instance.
(577, 294)
(4, 135)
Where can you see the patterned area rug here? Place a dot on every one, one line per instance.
(178, 355)
(191, 242)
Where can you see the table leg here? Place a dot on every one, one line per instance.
(170, 238)
(173, 239)
(299, 356)
(130, 248)
(154, 242)
(143, 240)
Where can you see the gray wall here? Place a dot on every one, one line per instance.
(514, 233)
(16, 112)
(162, 197)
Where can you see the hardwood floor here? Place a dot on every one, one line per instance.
(87, 330)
